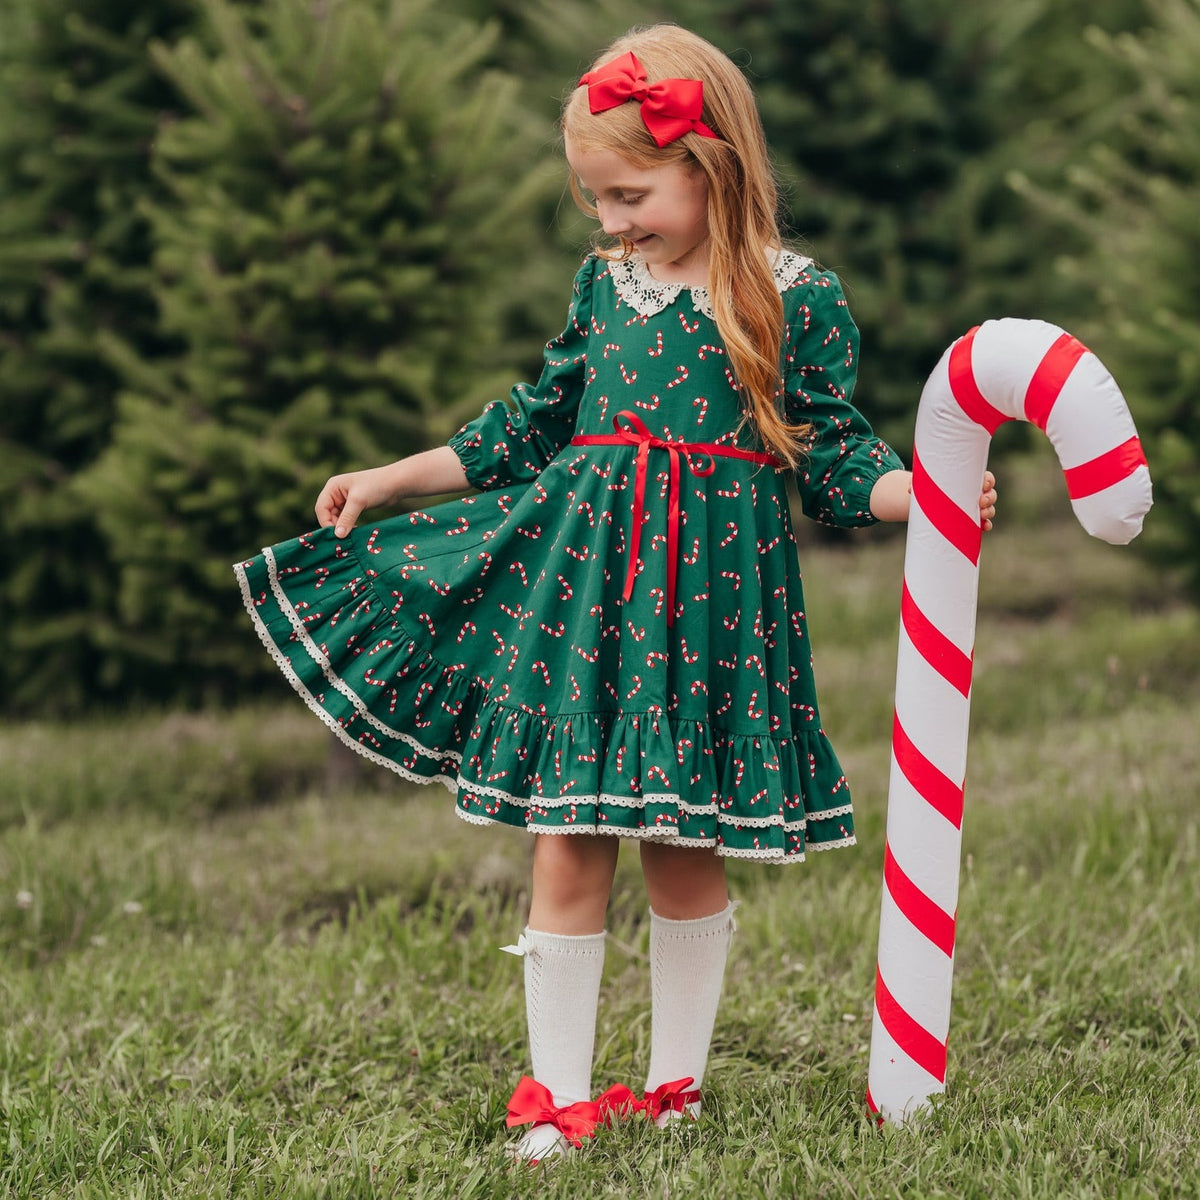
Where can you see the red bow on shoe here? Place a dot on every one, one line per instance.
(617, 1101)
(533, 1104)
(670, 107)
(670, 1097)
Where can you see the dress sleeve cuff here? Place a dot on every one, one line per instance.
(843, 498)
(467, 443)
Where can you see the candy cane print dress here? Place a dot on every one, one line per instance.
(609, 636)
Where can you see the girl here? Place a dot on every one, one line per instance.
(608, 637)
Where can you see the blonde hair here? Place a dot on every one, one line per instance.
(742, 207)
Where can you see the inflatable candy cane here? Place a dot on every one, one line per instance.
(1001, 371)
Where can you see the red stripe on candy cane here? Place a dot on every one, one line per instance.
(934, 646)
(966, 390)
(937, 788)
(962, 531)
(921, 912)
(1106, 469)
(914, 1039)
(1048, 380)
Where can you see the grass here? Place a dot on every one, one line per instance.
(223, 978)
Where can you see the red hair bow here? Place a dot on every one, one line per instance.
(670, 107)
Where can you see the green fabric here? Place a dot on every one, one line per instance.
(485, 643)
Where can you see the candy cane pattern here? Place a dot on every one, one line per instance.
(1002, 370)
(702, 404)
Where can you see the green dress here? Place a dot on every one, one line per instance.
(503, 644)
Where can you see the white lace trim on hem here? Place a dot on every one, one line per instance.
(316, 707)
(648, 296)
(692, 810)
(769, 856)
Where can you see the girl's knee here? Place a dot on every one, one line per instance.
(572, 876)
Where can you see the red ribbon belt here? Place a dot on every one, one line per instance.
(635, 433)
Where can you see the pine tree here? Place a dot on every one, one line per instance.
(79, 104)
(340, 259)
(1136, 197)
(895, 124)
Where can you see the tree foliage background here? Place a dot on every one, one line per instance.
(246, 244)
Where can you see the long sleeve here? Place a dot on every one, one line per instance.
(511, 442)
(844, 458)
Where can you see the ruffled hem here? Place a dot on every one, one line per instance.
(353, 661)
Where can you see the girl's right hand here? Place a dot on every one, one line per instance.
(344, 497)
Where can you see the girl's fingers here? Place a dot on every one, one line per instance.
(329, 504)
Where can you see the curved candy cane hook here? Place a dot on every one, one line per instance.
(1001, 371)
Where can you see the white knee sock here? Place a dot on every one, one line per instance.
(562, 992)
(687, 967)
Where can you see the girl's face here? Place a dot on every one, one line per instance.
(663, 210)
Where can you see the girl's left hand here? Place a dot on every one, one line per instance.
(987, 501)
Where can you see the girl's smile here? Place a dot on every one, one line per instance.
(662, 210)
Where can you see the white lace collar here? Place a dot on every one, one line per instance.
(648, 296)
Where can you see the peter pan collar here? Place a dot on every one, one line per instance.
(648, 296)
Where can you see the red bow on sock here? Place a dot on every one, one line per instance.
(670, 1097)
(670, 107)
(533, 1104)
(617, 1101)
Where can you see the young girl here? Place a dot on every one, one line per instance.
(608, 638)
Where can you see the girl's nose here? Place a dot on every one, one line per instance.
(612, 220)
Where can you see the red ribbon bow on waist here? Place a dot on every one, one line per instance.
(635, 433)
(670, 107)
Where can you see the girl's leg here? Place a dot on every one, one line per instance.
(572, 880)
(564, 958)
(691, 924)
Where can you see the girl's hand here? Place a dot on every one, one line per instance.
(987, 501)
(344, 497)
(429, 473)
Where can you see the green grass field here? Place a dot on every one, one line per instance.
(221, 978)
